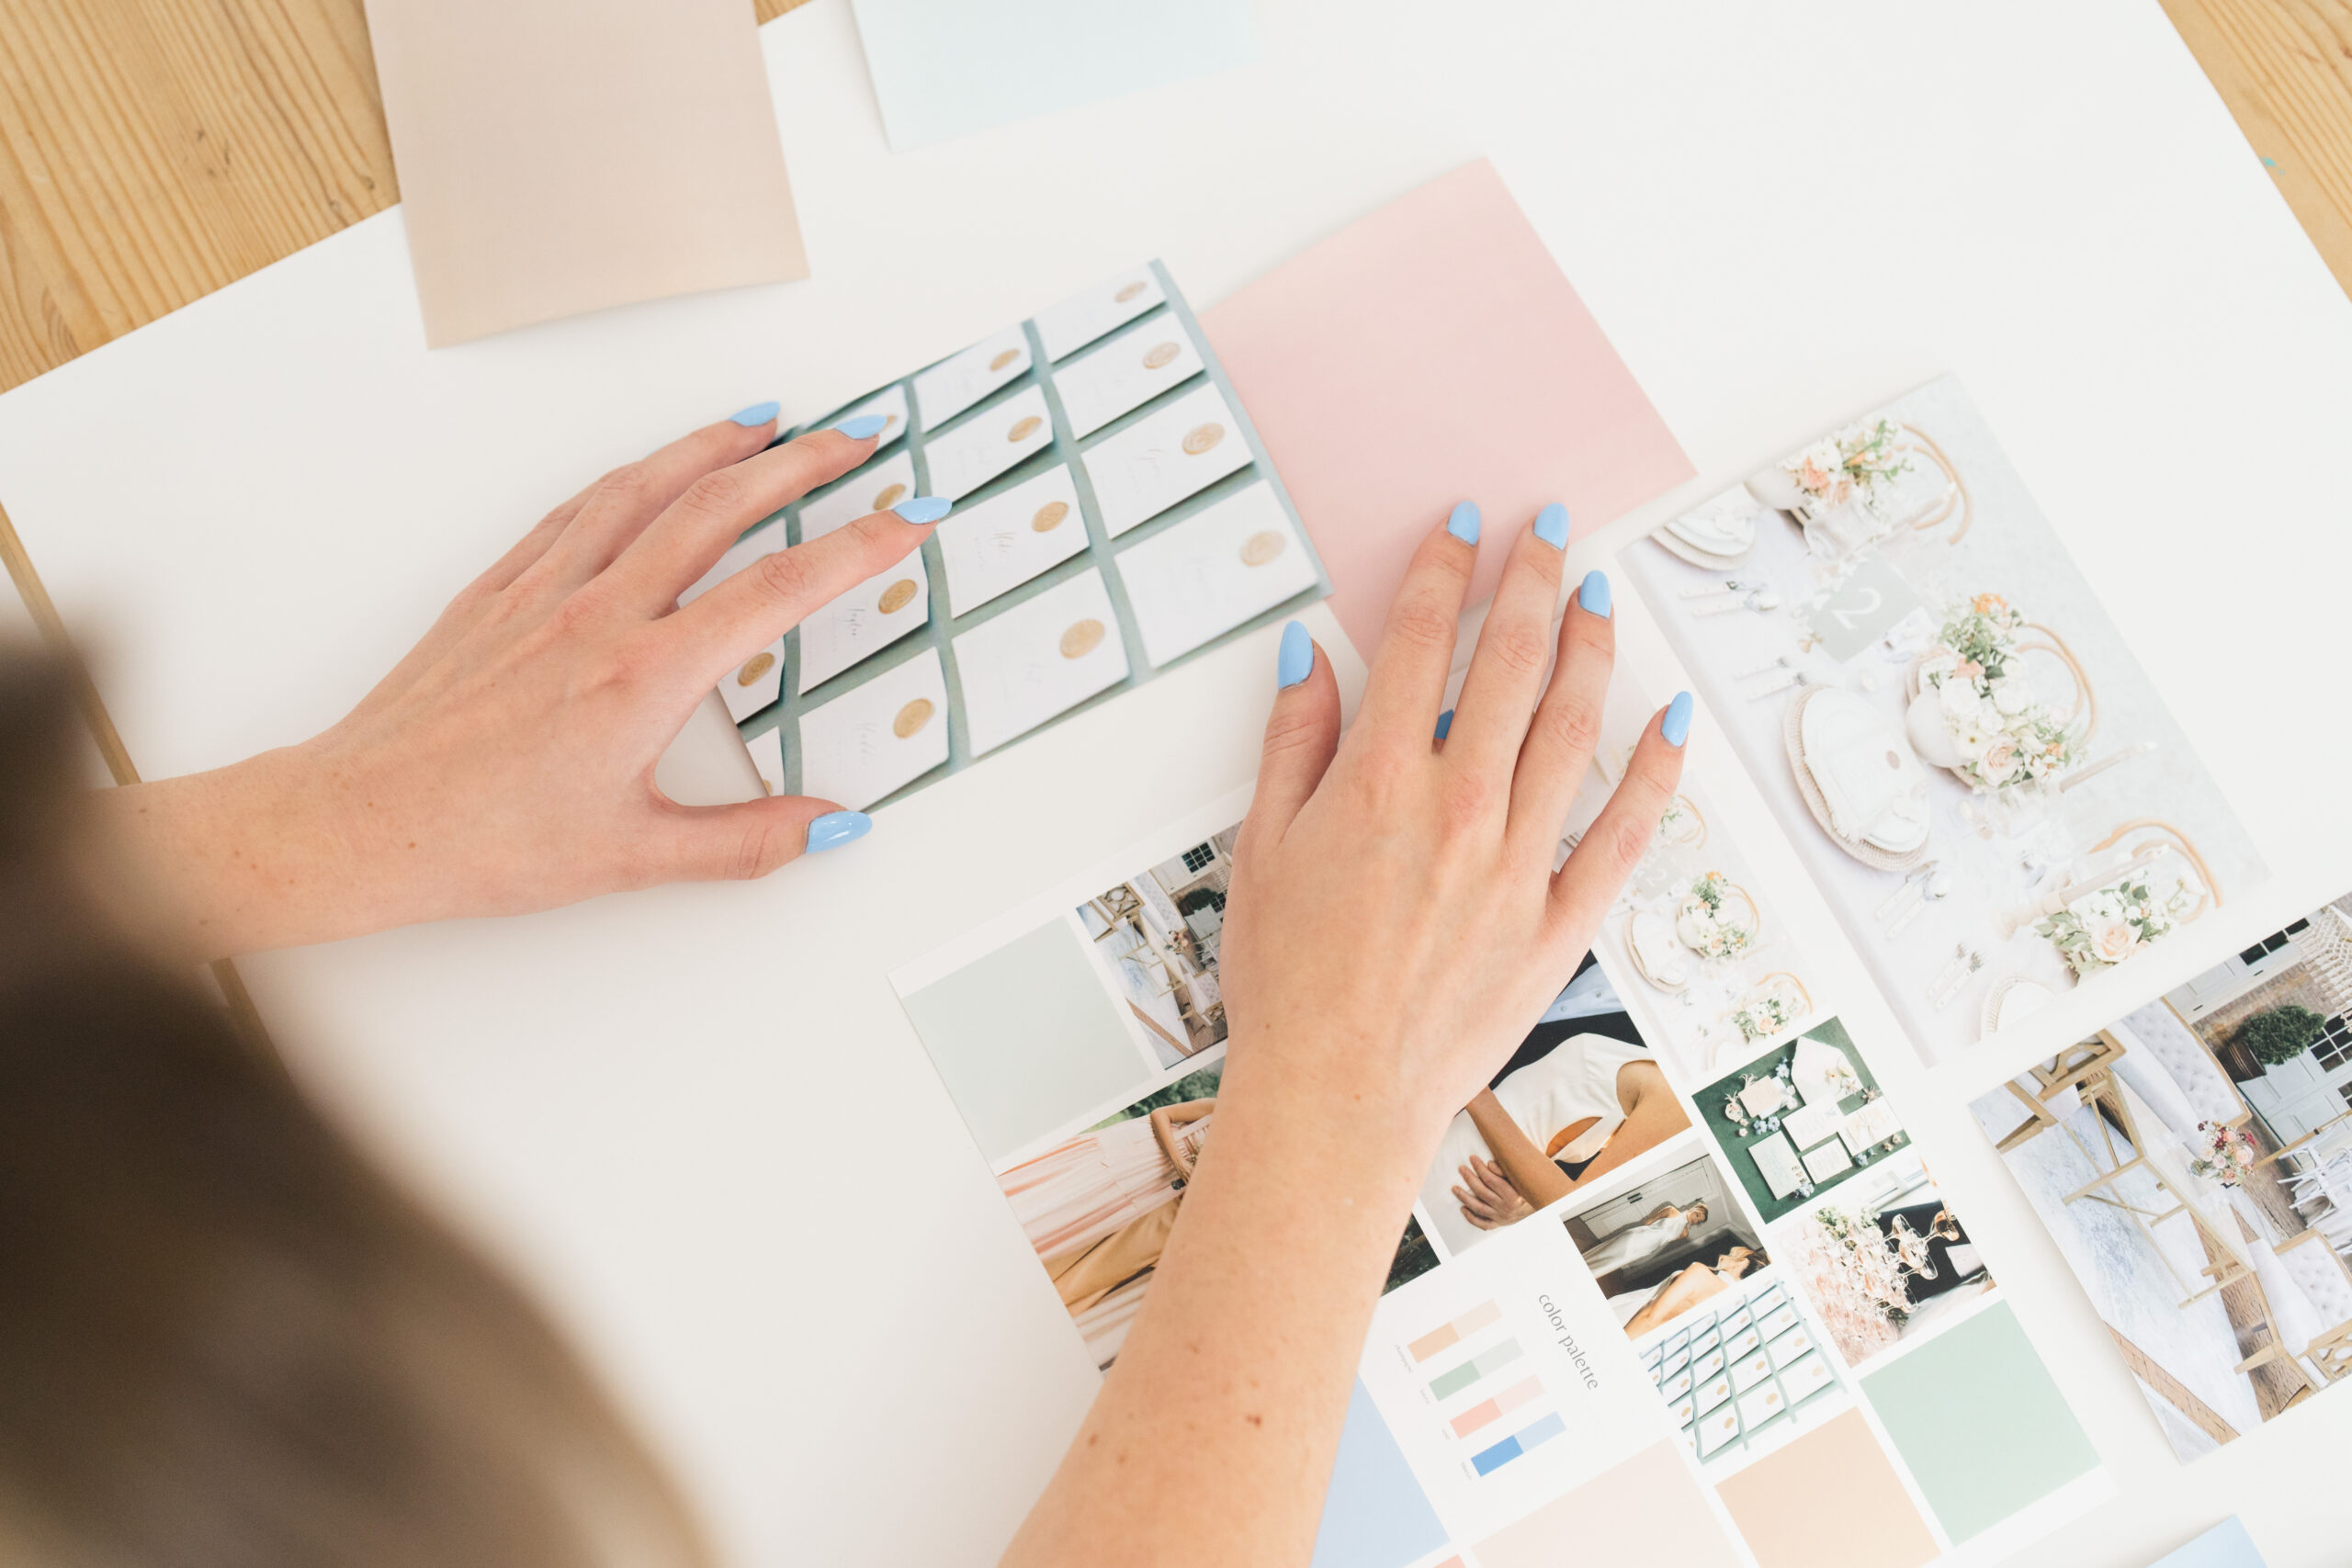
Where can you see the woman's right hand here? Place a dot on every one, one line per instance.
(1488, 1199)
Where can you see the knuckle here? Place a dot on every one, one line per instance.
(1629, 841)
(1467, 802)
(760, 850)
(1519, 649)
(721, 492)
(1420, 625)
(1289, 734)
(630, 482)
(784, 576)
(1573, 723)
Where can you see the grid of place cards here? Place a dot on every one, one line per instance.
(1114, 513)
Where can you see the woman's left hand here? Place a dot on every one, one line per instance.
(507, 764)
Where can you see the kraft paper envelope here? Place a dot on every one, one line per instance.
(557, 156)
(1427, 354)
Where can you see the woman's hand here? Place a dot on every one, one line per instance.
(1394, 929)
(1488, 1199)
(506, 763)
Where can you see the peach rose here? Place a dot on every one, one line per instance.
(2114, 940)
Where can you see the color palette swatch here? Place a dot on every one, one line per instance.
(1487, 1461)
(1485, 1364)
(1496, 1408)
(1445, 1336)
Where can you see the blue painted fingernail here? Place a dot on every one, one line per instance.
(1445, 723)
(1463, 524)
(1594, 595)
(1296, 663)
(835, 829)
(925, 508)
(758, 413)
(863, 425)
(1552, 526)
(1676, 725)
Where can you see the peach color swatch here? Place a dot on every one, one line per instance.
(1828, 1500)
(1648, 1509)
(1430, 352)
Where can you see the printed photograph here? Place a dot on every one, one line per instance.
(1158, 935)
(1884, 1260)
(1715, 1325)
(1582, 1096)
(1709, 966)
(1100, 1208)
(2193, 1162)
(1980, 776)
(1801, 1119)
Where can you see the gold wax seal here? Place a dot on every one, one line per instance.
(1161, 354)
(1082, 638)
(761, 664)
(888, 496)
(1003, 359)
(1262, 546)
(911, 717)
(899, 595)
(1049, 517)
(1201, 437)
(1024, 428)
(1129, 292)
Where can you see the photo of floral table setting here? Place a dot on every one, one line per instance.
(1801, 1119)
(1965, 753)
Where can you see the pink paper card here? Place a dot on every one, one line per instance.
(1430, 352)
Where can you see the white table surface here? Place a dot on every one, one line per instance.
(656, 1105)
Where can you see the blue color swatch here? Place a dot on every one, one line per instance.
(1489, 1461)
(1374, 1514)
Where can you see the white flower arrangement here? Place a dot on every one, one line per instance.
(2114, 924)
(1857, 464)
(2001, 734)
(1766, 1015)
(1705, 925)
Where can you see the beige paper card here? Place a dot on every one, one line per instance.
(557, 156)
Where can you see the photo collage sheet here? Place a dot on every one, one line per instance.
(1115, 512)
(1677, 1276)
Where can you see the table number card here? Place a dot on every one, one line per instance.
(1853, 614)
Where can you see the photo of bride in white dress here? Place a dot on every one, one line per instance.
(1668, 1245)
(1582, 1096)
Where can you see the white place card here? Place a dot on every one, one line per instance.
(756, 685)
(1038, 659)
(767, 759)
(1777, 1163)
(764, 540)
(1827, 1160)
(878, 737)
(1158, 460)
(1764, 1097)
(1126, 373)
(877, 487)
(958, 381)
(988, 443)
(1814, 1123)
(1874, 1122)
(1008, 538)
(1209, 573)
(865, 620)
(1081, 319)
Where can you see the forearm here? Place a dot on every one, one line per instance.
(1530, 1169)
(1233, 1383)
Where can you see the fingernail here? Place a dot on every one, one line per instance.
(863, 425)
(1296, 663)
(1594, 595)
(758, 413)
(925, 508)
(1463, 524)
(835, 829)
(1445, 723)
(1552, 526)
(1676, 725)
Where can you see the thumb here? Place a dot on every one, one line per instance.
(1301, 734)
(712, 844)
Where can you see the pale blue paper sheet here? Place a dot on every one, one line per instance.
(2226, 1545)
(947, 68)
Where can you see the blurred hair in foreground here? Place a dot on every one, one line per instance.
(226, 1340)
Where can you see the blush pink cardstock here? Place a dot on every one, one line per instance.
(1429, 352)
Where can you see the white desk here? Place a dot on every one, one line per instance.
(653, 1103)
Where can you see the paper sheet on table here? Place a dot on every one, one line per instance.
(942, 72)
(1430, 351)
(557, 156)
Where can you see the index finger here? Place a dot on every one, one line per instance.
(1415, 652)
